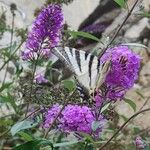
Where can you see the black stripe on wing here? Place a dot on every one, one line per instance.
(64, 53)
(78, 59)
(70, 49)
(98, 65)
(90, 67)
(86, 55)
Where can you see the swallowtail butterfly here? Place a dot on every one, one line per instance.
(89, 74)
(87, 69)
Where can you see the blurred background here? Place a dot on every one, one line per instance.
(98, 18)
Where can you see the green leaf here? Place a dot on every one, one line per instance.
(83, 34)
(123, 117)
(26, 124)
(121, 3)
(25, 136)
(33, 145)
(136, 130)
(19, 68)
(105, 107)
(7, 51)
(135, 45)
(69, 84)
(140, 94)
(87, 137)
(95, 125)
(145, 14)
(131, 103)
(9, 99)
(5, 86)
(147, 148)
(65, 143)
(5, 122)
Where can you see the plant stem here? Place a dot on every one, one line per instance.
(116, 33)
(11, 56)
(146, 101)
(133, 116)
(86, 145)
(55, 119)
(5, 132)
(11, 40)
(32, 80)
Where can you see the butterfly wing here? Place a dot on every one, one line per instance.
(85, 66)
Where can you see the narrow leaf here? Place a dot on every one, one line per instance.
(135, 45)
(105, 107)
(121, 3)
(140, 94)
(145, 14)
(123, 117)
(83, 34)
(131, 103)
(5, 86)
(9, 99)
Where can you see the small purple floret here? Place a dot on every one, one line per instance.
(40, 79)
(139, 143)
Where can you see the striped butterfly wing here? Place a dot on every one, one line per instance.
(85, 66)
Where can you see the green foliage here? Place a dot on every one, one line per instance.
(26, 124)
(145, 14)
(5, 86)
(105, 107)
(3, 26)
(25, 136)
(8, 98)
(34, 145)
(121, 3)
(140, 94)
(69, 84)
(20, 91)
(123, 117)
(131, 103)
(75, 34)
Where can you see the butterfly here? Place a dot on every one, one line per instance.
(87, 69)
(89, 74)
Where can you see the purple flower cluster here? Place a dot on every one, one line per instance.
(40, 79)
(123, 72)
(51, 115)
(45, 33)
(139, 143)
(74, 118)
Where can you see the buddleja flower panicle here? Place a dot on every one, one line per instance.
(124, 69)
(45, 33)
(74, 118)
